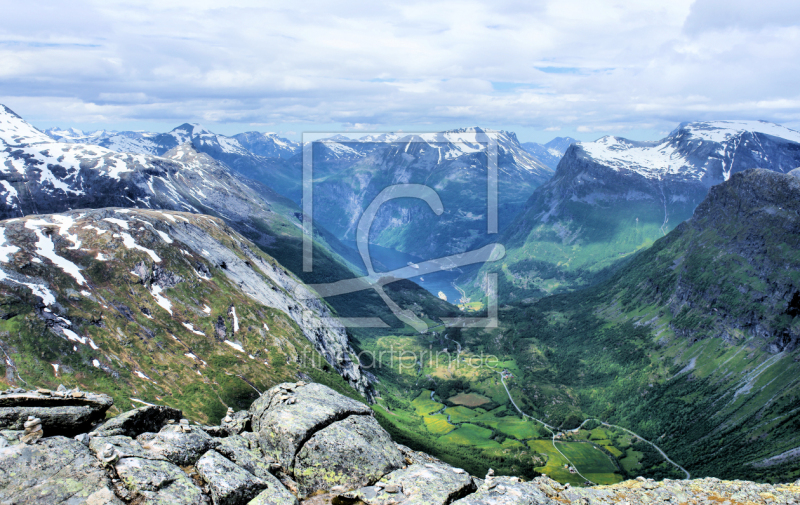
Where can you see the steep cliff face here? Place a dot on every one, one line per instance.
(611, 198)
(732, 269)
(160, 305)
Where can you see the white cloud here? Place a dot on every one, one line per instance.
(547, 64)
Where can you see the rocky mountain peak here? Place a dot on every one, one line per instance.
(15, 131)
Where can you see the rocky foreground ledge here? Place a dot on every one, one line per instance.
(298, 443)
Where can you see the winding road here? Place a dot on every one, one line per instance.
(551, 429)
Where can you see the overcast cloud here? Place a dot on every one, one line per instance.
(538, 67)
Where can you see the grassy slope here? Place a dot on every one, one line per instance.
(128, 341)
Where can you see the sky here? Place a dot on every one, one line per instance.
(542, 69)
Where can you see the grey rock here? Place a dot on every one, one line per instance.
(427, 484)
(284, 427)
(274, 496)
(10, 437)
(125, 447)
(60, 415)
(57, 470)
(507, 491)
(159, 482)
(247, 455)
(352, 453)
(237, 423)
(239, 450)
(135, 422)
(178, 446)
(229, 484)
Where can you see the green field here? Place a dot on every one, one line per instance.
(554, 467)
(591, 462)
(471, 435)
(460, 414)
(437, 424)
(424, 405)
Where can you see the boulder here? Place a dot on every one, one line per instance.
(66, 414)
(247, 455)
(427, 484)
(137, 421)
(229, 484)
(351, 453)
(289, 414)
(124, 447)
(241, 451)
(158, 482)
(177, 445)
(507, 491)
(236, 423)
(56, 470)
(274, 496)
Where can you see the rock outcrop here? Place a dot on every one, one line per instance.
(305, 427)
(310, 444)
(65, 412)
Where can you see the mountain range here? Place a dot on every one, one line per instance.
(647, 286)
(611, 198)
(549, 153)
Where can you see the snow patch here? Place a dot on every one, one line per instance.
(162, 301)
(5, 250)
(235, 320)
(190, 327)
(235, 345)
(130, 243)
(46, 248)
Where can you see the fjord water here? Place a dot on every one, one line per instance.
(391, 259)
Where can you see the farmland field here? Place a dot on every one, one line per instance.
(469, 399)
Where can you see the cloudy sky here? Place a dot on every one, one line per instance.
(541, 68)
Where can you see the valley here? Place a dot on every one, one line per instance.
(648, 325)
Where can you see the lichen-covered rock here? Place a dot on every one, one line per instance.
(247, 455)
(351, 453)
(177, 445)
(57, 470)
(125, 447)
(240, 450)
(229, 484)
(427, 484)
(641, 490)
(288, 414)
(159, 482)
(274, 496)
(60, 413)
(236, 422)
(507, 491)
(137, 421)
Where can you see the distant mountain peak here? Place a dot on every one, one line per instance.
(14, 130)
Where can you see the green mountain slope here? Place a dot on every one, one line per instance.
(159, 307)
(693, 345)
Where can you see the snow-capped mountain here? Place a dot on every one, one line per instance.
(551, 152)
(349, 173)
(706, 151)
(41, 176)
(223, 148)
(613, 197)
(269, 145)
